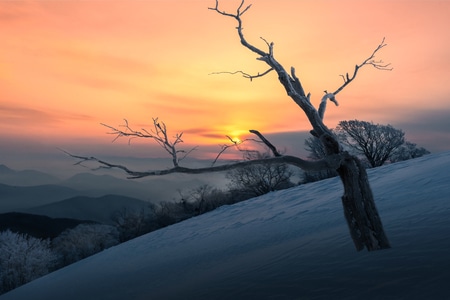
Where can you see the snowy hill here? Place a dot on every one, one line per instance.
(291, 244)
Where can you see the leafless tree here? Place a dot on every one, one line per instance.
(359, 208)
(133, 223)
(158, 134)
(260, 179)
(376, 142)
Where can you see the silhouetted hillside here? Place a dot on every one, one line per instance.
(99, 185)
(99, 209)
(15, 198)
(37, 226)
(154, 189)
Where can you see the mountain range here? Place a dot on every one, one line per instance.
(80, 195)
(25, 177)
(99, 209)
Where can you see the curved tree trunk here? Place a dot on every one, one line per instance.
(360, 211)
(358, 202)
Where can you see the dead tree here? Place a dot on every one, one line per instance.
(360, 211)
(359, 207)
(158, 134)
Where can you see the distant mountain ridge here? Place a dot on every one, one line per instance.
(99, 185)
(99, 209)
(25, 177)
(15, 198)
(87, 195)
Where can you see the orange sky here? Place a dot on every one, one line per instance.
(66, 66)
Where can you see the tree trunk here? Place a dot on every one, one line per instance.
(360, 211)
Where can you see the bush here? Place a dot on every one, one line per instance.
(84, 240)
(22, 259)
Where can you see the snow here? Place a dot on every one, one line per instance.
(291, 244)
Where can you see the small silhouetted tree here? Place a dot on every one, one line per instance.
(376, 142)
(256, 180)
(133, 223)
(204, 198)
(371, 140)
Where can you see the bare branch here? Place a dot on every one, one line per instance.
(158, 134)
(245, 75)
(266, 142)
(236, 144)
(239, 28)
(331, 161)
(225, 147)
(377, 64)
(323, 103)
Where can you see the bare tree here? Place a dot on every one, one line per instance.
(376, 142)
(158, 134)
(360, 211)
(133, 223)
(260, 179)
(359, 207)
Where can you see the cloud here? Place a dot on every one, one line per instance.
(19, 114)
(15, 115)
(427, 128)
(427, 120)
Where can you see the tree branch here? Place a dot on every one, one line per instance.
(347, 78)
(377, 64)
(266, 142)
(330, 162)
(237, 16)
(234, 143)
(158, 134)
(245, 75)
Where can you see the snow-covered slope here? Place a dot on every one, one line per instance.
(292, 244)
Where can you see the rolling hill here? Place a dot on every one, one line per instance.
(98, 209)
(17, 198)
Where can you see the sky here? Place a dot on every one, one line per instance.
(67, 66)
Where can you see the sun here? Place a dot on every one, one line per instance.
(236, 135)
(236, 139)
